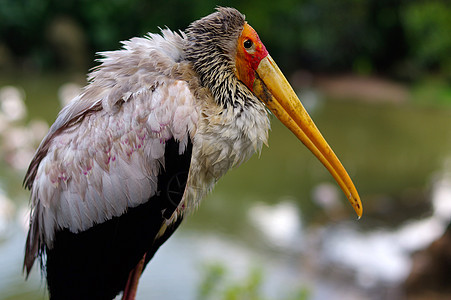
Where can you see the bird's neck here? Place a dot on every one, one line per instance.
(220, 80)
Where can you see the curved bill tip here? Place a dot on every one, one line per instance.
(356, 204)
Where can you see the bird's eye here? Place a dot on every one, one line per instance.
(247, 44)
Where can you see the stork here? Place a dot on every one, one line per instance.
(159, 122)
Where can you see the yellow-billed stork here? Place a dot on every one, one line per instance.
(158, 124)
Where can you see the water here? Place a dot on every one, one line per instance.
(281, 211)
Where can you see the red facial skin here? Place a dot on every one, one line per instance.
(248, 59)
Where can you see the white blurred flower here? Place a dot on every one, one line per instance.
(12, 103)
(279, 223)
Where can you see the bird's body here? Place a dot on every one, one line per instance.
(158, 124)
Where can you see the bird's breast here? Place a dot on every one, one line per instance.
(224, 139)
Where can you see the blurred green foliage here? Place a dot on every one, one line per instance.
(406, 39)
(428, 28)
(215, 286)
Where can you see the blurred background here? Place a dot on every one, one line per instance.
(375, 76)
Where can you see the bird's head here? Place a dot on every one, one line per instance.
(229, 57)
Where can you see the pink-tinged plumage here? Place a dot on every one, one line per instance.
(110, 159)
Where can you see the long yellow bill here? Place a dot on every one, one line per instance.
(273, 89)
